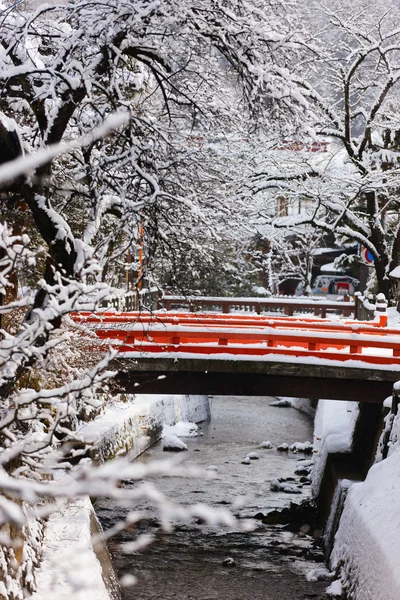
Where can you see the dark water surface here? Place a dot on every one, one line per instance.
(271, 563)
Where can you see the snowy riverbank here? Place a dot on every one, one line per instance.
(70, 566)
(367, 544)
(133, 422)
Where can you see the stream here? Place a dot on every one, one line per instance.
(268, 563)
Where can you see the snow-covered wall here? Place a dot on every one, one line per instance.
(128, 423)
(367, 544)
(335, 421)
(18, 565)
(134, 422)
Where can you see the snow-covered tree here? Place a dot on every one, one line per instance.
(353, 85)
(97, 103)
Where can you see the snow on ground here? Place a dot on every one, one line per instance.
(70, 568)
(173, 443)
(367, 544)
(393, 318)
(282, 402)
(333, 429)
(181, 429)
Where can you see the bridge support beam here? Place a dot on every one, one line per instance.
(252, 378)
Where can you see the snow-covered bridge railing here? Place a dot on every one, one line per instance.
(362, 308)
(288, 306)
(365, 309)
(248, 354)
(213, 335)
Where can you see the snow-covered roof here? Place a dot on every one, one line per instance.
(319, 251)
(330, 268)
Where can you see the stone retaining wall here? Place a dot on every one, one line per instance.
(130, 423)
(134, 422)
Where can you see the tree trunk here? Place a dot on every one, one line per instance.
(381, 255)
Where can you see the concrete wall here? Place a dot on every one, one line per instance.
(49, 554)
(134, 422)
(345, 442)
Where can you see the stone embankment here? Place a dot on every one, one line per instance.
(134, 422)
(50, 557)
(357, 480)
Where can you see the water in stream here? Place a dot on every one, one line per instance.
(187, 564)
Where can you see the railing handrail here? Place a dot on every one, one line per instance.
(311, 300)
(147, 318)
(363, 308)
(289, 305)
(323, 340)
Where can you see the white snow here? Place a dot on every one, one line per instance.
(330, 268)
(335, 589)
(368, 542)
(388, 402)
(282, 402)
(253, 456)
(301, 447)
(319, 574)
(266, 445)
(334, 425)
(393, 318)
(395, 272)
(181, 429)
(228, 562)
(127, 580)
(70, 568)
(273, 357)
(172, 442)
(283, 447)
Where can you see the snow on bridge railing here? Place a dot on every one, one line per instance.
(152, 299)
(160, 335)
(288, 305)
(147, 299)
(366, 310)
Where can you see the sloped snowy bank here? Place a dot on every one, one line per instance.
(333, 430)
(367, 544)
(68, 552)
(135, 422)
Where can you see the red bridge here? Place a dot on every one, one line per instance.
(249, 354)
